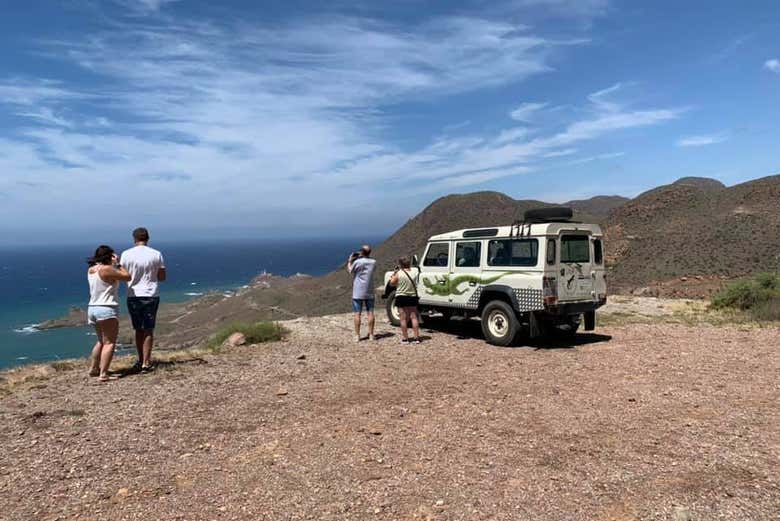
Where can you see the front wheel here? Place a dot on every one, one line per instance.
(499, 323)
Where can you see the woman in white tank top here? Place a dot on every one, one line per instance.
(103, 276)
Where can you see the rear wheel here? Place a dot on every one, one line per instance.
(392, 311)
(499, 323)
(394, 317)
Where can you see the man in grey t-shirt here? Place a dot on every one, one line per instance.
(361, 267)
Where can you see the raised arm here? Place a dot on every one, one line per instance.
(111, 274)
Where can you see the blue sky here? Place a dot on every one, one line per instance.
(290, 118)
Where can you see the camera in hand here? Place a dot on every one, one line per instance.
(355, 255)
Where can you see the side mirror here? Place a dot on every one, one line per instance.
(415, 261)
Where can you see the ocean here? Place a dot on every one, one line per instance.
(42, 282)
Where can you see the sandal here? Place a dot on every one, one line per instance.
(94, 372)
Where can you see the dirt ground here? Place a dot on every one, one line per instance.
(649, 421)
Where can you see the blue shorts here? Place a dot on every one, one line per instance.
(358, 303)
(97, 314)
(143, 312)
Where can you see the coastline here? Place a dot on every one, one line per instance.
(176, 305)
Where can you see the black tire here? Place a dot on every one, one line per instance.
(392, 311)
(499, 323)
(565, 331)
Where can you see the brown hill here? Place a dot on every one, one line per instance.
(598, 206)
(700, 182)
(695, 228)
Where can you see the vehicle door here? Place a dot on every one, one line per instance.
(575, 281)
(435, 274)
(599, 269)
(465, 274)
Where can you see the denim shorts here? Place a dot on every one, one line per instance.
(358, 303)
(143, 312)
(97, 314)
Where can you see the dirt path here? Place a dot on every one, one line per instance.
(638, 422)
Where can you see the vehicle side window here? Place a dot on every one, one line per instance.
(598, 253)
(467, 254)
(551, 251)
(438, 255)
(575, 248)
(513, 252)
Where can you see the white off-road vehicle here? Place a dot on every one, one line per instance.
(544, 274)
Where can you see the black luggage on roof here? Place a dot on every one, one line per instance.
(548, 215)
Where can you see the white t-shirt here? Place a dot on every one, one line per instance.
(142, 262)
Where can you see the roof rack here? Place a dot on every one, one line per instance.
(552, 214)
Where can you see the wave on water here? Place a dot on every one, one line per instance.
(27, 330)
(193, 283)
(194, 294)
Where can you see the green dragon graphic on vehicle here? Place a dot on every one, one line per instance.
(445, 285)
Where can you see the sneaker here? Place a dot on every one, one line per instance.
(147, 368)
(372, 338)
(357, 338)
(404, 340)
(416, 341)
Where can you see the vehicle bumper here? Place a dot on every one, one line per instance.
(574, 308)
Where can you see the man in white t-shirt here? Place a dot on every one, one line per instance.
(147, 270)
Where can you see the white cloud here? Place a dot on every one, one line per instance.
(560, 153)
(278, 122)
(599, 157)
(145, 6)
(701, 140)
(526, 111)
(46, 116)
(772, 65)
(512, 134)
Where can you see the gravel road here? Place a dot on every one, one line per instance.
(636, 422)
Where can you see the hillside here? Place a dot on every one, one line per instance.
(696, 229)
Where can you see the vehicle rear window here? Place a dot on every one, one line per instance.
(467, 254)
(513, 252)
(575, 248)
(438, 255)
(598, 253)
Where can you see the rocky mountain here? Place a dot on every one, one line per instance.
(693, 231)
